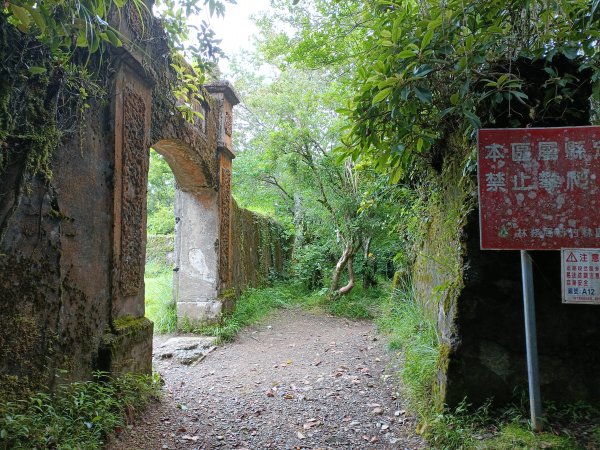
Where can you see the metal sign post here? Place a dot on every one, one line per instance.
(533, 373)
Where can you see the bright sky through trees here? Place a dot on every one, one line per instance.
(237, 28)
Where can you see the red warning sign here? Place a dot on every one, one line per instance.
(539, 188)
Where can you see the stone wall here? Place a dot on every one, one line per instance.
(259, 251)
(73, 232)
(55, 260)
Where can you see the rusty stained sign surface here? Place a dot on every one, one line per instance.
(539, 188)
(580, 270)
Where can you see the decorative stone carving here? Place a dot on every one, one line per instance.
(135, 172)
(228, 123)
(225, 211)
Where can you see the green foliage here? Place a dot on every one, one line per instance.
(312, 263)
(508, 428)
(359, 304)
(68, 25)
(251, 307)
(413, 333)
(160, 307)
(77, 415)
(161, 196)
(418, 70)
(158, 279)
(38, 107)
(72, 31)
(287, 134)
(64, 26)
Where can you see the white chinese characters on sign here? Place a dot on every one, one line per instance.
(550, 181)
(539, 188)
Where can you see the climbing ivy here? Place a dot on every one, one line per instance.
(53, 67)
(42, 97)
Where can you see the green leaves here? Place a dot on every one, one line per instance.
(382, 95)
(23, 17)
(419, 69)
(423, 94)
(35, 70)
(406, 54)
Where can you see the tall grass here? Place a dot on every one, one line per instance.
(251, 307)
(158, 277)
(412, 333)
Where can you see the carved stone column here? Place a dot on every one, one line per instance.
(226, 98)
(127, 342)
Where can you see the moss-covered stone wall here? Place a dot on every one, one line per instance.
(259, 251)
(73, 176)
(475, 297)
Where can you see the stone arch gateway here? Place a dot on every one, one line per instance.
(72, 248)
(203, 212)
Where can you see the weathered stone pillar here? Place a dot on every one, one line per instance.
(127, 342)
(226, 98)
(195, 281)
(203, 230)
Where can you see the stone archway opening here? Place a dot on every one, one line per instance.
(189, 286)
(160, 245)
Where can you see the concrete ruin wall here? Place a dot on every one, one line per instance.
(72, 247)
(259, 250)
(475, 296)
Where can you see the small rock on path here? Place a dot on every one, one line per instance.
(298, 380)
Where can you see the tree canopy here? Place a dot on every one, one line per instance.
(420, 69)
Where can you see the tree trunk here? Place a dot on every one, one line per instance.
(298, 222)
(346, 260)
(337, 271)
(345, 289)
(369, 266)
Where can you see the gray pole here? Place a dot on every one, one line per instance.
(533, 372)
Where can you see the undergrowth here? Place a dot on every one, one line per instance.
(160, 306)
(253, 305)
(358, 304)
(567, 427)
(411, 333)
(158, 278)
(76, 416)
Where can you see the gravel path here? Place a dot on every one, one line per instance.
(298, 380)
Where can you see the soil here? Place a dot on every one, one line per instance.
(297, 380)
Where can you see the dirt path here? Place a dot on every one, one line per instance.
(297, 380)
